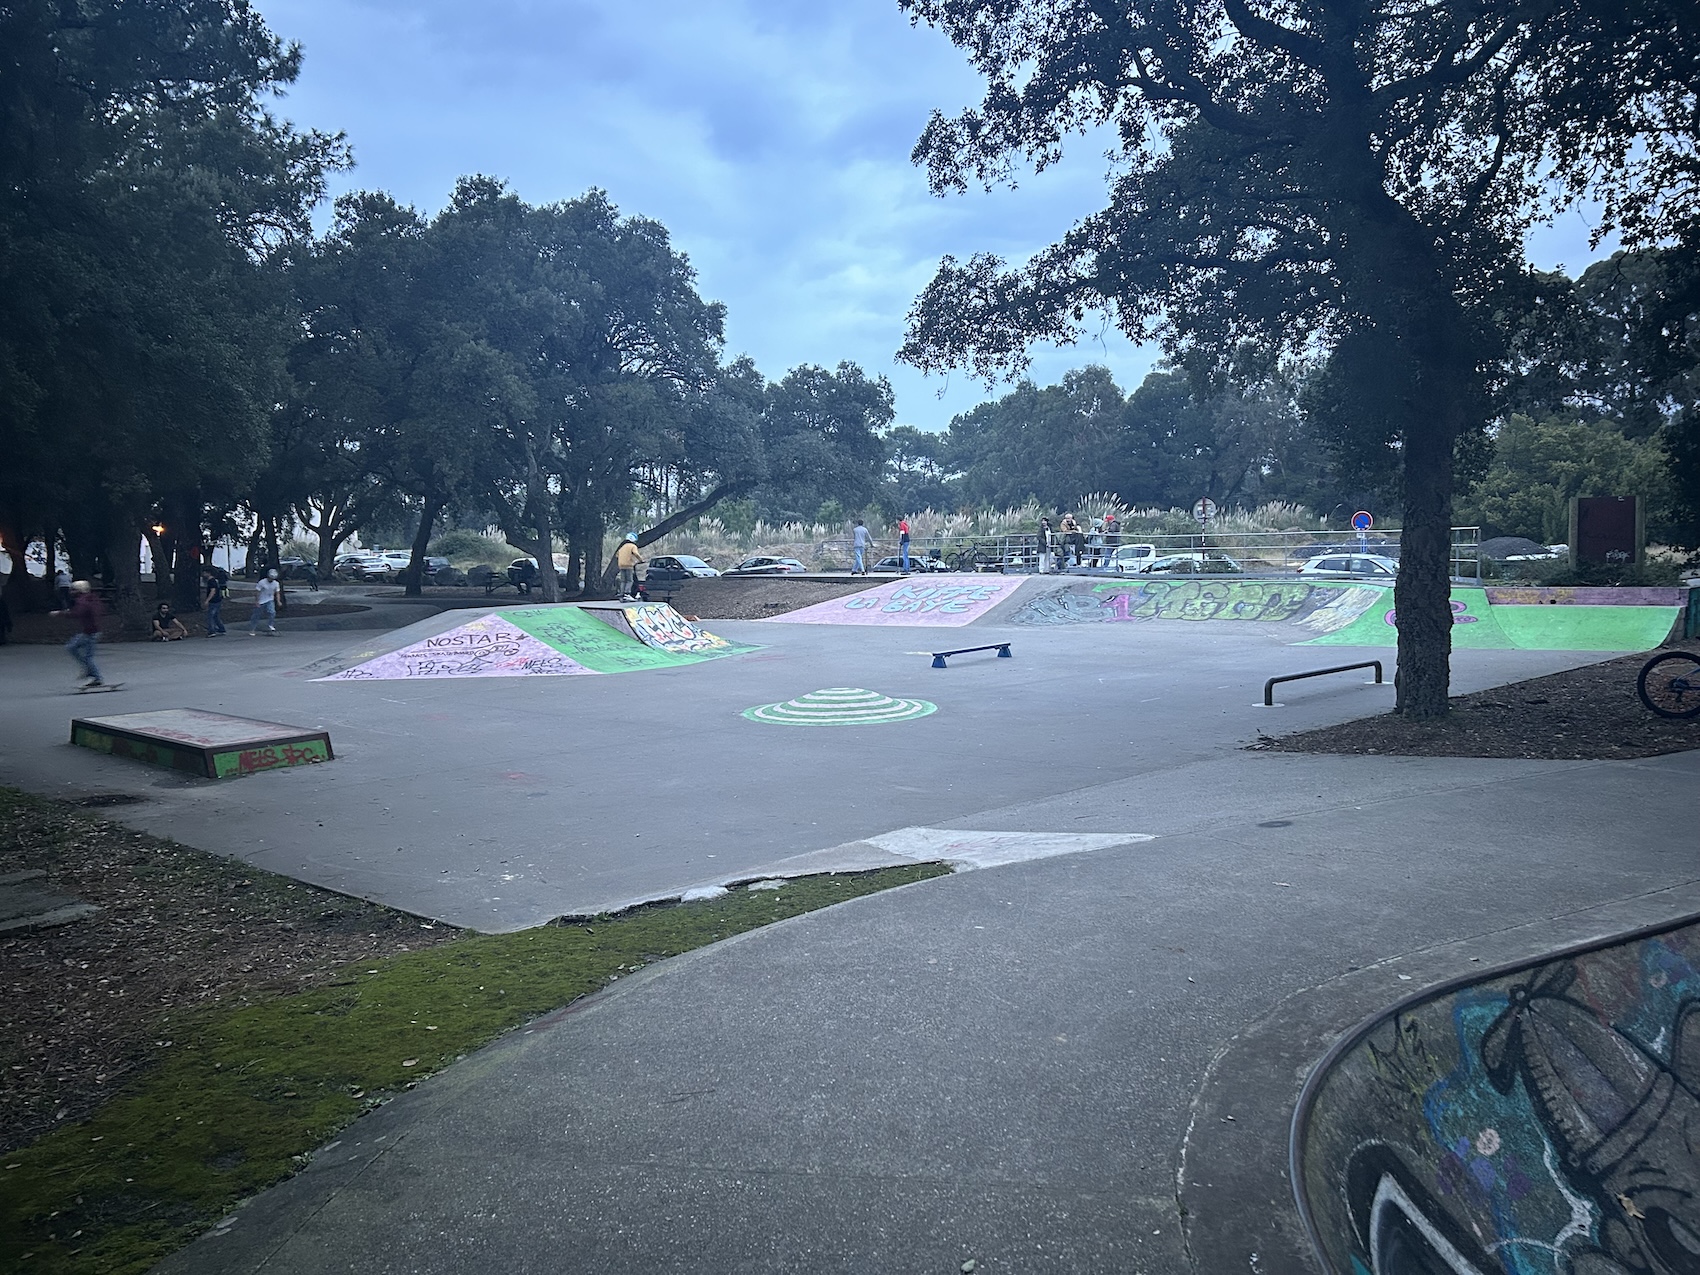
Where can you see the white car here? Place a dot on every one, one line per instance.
(1367, 566)
(1128, 560)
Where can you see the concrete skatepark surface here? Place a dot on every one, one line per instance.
(1009, 1066)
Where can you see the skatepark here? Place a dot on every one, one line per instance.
(1080, 1052)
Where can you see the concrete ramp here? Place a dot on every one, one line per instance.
(925, 601)
(1541, 1119)
(1311, 607)
(547, 641)
(658, 625)
(1496, 619)
(1344, 613)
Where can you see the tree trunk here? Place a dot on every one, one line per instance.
(1422, 594)
(124, 562)
(414, 577)
(184, 516)
(726, 491)
(159, 550)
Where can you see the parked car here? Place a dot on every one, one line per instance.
(1127, 560)
(670, 569)
(522, 574)
(1192, 564)
(759, 565)
(434, 565)
(895, 563)
(1368, 566)
(374, 567)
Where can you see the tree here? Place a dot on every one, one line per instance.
(915, 471)
(146, 190)
(1539, 465)
(1052, 445)
(1354, 175)
(821, 441)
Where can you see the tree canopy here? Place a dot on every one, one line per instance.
(1322, 176)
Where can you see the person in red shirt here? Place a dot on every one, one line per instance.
(903, 544)
(86, 611)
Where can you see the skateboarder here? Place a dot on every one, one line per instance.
(165, 626)
(626, 558)
(85, 610)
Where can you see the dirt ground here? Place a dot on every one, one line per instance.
(757, 597)
(83, 1004)
(1589, 713)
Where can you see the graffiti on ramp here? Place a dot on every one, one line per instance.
(936, 602)
(550, 642)
(490, 646)
(1545, 1121)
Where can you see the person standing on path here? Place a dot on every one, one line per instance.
(213, 599)
(62, 582)
(312, 569)
(903, 545)
(627, 558)
(265, 604)
(1044, 546)
(85, 610)
(862, 543)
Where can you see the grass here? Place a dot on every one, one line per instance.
(243, 1096)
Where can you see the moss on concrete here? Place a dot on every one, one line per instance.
(243, 1096)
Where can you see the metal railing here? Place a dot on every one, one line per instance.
(1254, 552)
(1269, 686)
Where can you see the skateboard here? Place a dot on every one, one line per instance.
(99, 690)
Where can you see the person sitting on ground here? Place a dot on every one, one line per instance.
(164, 626)
(627, 558)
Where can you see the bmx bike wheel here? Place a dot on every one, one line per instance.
(1669, 684)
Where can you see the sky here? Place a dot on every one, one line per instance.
(772, 138)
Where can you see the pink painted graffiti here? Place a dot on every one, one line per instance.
(938, 602)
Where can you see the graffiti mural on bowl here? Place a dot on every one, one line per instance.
(1546, 1121)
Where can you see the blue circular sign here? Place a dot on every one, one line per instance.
(1362, 521)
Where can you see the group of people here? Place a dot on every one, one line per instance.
(1067, 544)
(862, 544)
(79, 600)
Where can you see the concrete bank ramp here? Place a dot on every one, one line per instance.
(1546, 1118)
(1337, 613)
(1311, 607)
(926, 601)
(547, 641)
(1530, 620)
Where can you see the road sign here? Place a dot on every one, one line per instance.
(1362, 521)
(1204, 510)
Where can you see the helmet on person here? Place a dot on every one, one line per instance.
(632, 537)
(272, 574)
(80, 586)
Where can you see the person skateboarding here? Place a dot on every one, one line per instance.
(628, 558)
(86, 611)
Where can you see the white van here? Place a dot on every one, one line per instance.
(1130, 560)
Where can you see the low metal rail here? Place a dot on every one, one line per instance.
(1002, 648)
(1269, 686)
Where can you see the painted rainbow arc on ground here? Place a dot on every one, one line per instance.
(840, 706)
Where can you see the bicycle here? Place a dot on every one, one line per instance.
(1669, 684)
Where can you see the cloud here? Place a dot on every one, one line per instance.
(771, 138)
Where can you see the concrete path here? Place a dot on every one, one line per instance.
(1006, 1067)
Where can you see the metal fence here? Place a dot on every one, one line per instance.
(1254, 552)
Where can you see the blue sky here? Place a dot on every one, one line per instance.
(772, 138)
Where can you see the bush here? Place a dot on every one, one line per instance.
(1558, 573)
(472, 547)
